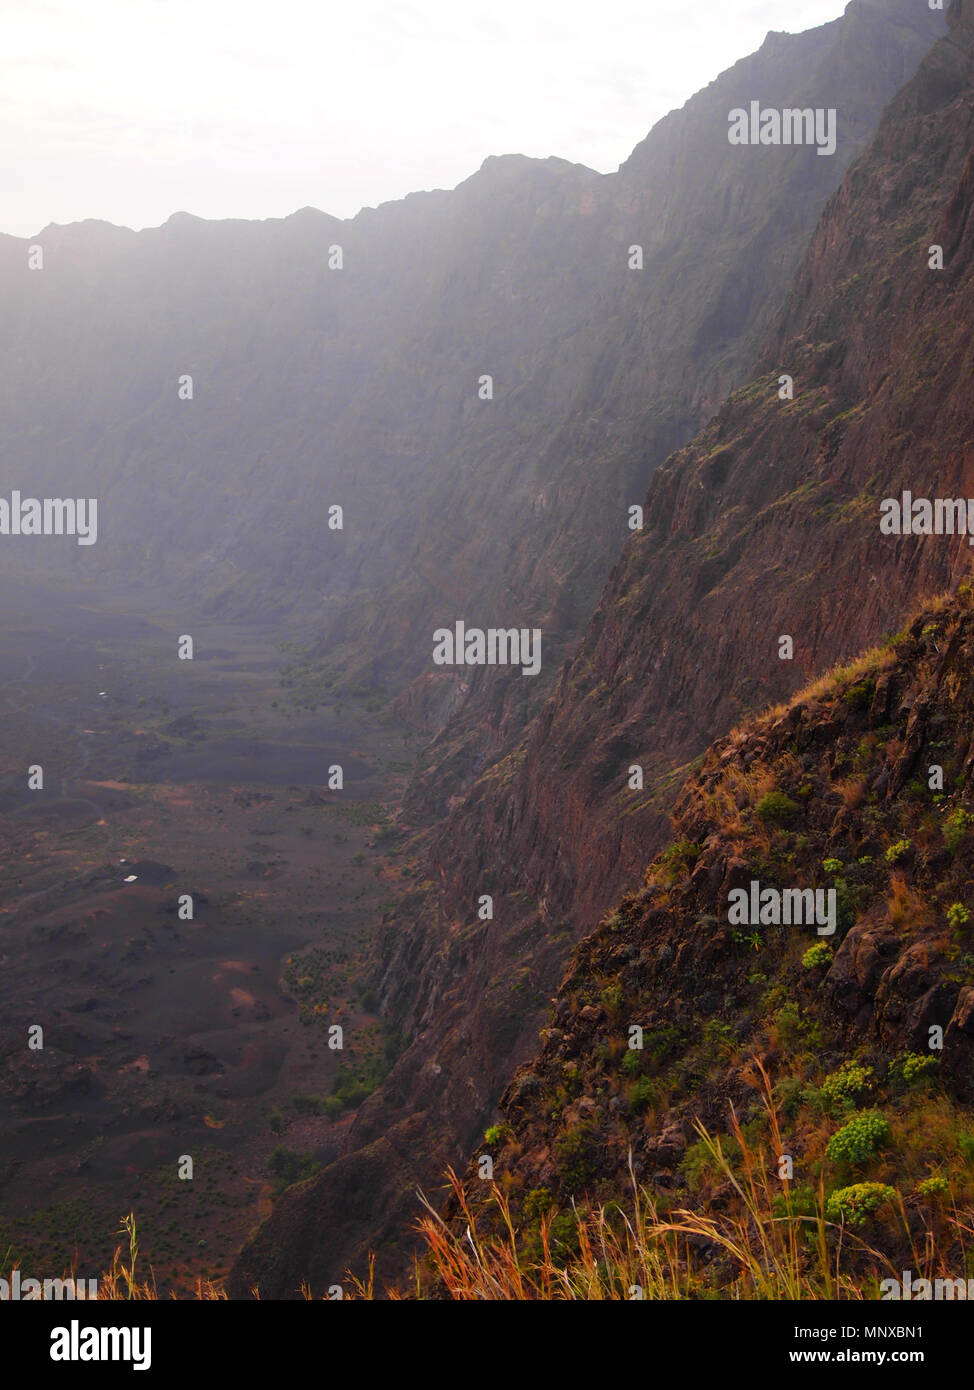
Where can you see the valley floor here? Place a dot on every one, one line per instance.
(165, 1037)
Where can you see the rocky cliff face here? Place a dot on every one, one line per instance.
(860, 787)
(769, 523)
(721, 231)
(766, 526)
(316, 386)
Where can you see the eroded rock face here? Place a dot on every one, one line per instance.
(767, 524)
(860, 964)
(720, 1007)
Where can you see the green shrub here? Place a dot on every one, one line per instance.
(956, 827)
(495, 1134)
(855, 1204)
(698, 1165)
(796, 1029)
(351, 1091)
(859, 1138)
(843, 1086)
(859, 696)
(632, 1063)
(679, 859)
(777, 808)
(612, 999)
(957, 916)
(933, 1187)
(897, 851)
(563, 1233)
(832, 866)
(578, 1157)
(910, 1067)
(288, 1166)
(789, 1092)
(847, 903)
(571, 1078)
(537, 1203)
(965, 1144)
(800, 1201)
(642, 1094)
(663, 1040)
(308, 1105)
(817, 957)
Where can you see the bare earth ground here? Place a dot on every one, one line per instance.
(165, 1037)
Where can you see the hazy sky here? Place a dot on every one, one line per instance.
(130, 110)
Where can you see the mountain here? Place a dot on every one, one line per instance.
(766, 526)
(721, 238)
(315, 386)
(862, 1040)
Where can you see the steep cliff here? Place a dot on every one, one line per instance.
(316, 386)
(722, 231)
(861, 1013)
(766, 526)
(769, 523)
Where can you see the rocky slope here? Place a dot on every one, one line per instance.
(829, 792)
(767, 525)
(722, 232)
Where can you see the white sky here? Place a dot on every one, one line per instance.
(130, 110)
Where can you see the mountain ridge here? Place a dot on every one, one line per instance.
(551, 830)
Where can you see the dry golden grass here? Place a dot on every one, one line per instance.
(852, 790)
(824, 687)
(906, 907)
(774, 1252)
(732, 799)
(870, 662)
(768, 1250)
(620, 1252)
